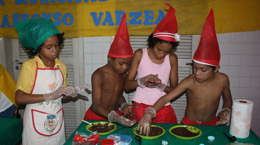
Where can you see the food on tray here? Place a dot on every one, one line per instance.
(99, 127)
(184, 132)
(154, 131)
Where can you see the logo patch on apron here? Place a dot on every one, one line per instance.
(50, 123)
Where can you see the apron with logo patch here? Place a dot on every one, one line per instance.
(44, 124)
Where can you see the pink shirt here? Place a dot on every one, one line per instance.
(146, 95)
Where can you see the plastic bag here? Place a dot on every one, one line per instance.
(84, 139)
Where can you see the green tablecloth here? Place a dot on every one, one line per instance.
(216, 131)
(10, 131)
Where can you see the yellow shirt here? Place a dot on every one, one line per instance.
(27, 75)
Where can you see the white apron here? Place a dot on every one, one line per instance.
(44, 124)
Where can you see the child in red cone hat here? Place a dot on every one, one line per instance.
(155, 66)
(203, 88)
(108, 82)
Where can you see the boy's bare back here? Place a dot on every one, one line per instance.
(203, 98)
(107, 88)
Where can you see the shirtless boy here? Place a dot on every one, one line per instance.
(203, 88)
(108, 82)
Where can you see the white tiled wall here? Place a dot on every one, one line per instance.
(240, 60)
(95, 56)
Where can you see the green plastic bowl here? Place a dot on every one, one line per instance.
(182, 137)
(149, 137)
(102, 122)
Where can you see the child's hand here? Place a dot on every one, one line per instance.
(153, 81)
(161, 87)
(156, 83)
(144, 125)
(56, 94)
(149, 81)
(128, 110)
(82, 90)
(223, 116)
(114, 117)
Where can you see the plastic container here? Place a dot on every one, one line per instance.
(125, 139)
(116, 139)
(165, 142)
(107, 142)
(211, 140)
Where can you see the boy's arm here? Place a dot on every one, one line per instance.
(227, 99)
(125, 108)
(184, 85)
(131, 83)
(173, 73)
(224, 114)
(96, 80)
(121, 100)
(150, 112)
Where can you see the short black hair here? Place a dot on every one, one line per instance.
(213, 67)
(113, 57)
(153, 40)
(32, 54)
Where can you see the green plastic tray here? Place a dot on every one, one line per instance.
(182, 137)
(149, 137)
(102, 122)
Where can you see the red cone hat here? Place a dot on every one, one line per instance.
(167, 29)
(208, 50)
(121, 48)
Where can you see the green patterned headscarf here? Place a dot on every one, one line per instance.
(33, 32)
